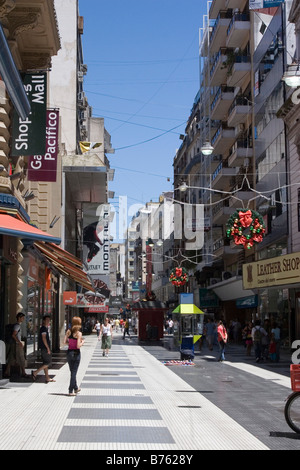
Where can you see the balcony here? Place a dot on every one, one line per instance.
(215, 8)
(222, 177)
(239, 111)
(238, 31)
(239, 71)
(215, 161)
(223, 139)
(218, 35)
(34, 30)
(222, 247)
(222, 103)
(240, 150)
(218, 72)
(4, 146)
(235, 4)
(221, 212)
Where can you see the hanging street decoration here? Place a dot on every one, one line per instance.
(246, 227)
(178, 276)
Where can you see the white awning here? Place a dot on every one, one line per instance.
(231, 289)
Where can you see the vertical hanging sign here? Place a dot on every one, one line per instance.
(44, 167)
(29, 135)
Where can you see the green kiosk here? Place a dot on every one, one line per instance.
(188, 326)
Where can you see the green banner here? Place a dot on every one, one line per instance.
(29, 135)
(208, 299)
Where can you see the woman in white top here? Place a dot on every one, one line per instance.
(106, 336)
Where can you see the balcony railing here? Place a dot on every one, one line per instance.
(237, 17)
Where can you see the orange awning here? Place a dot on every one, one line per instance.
(67, 264)
(10, 225)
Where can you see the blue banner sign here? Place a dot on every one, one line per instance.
(247, 302)
(258, 4)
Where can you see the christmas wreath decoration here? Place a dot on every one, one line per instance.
(178, 276)
(246, 227)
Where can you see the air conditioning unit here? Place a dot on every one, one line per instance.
(83, 129)
(239, 129)
(83, 116)
(80, 76)
(226, 275)
(81, 96)
(214, 280)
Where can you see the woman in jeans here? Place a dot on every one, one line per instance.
(222, 340)
(74, 339)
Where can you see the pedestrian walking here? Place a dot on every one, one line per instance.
(170, 327)
(15, 347)
(247, 331)
(209, 333)
(74, 339)
(257, 335)
(44, 346)
(276, 332)
(272, 348)
(97, 328)
(222, 340)
(106, 337)
(126, 329)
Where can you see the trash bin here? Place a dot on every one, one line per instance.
(187, 348)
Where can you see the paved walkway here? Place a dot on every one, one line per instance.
(128, 401)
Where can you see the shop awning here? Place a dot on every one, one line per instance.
(67, 264)
(14, 227)
(150, 304)
(231, 289)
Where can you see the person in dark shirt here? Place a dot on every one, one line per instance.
(44, 346)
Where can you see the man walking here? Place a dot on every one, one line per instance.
(44, 346)
(257, 335)
(15, 348)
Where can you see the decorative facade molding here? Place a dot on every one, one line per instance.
(6, 6)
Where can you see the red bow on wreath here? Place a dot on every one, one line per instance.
(246, 218)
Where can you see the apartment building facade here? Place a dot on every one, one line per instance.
(243, 56)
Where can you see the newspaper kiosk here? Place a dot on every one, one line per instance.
(188, 320)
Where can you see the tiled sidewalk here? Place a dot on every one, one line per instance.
(128, 401)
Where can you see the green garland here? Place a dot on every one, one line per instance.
(246, 227)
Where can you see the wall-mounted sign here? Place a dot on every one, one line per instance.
(29, 135)
(281, 270)
(44, 167)
(70, 297)
(247, 302)
(259, 4)
(94, 302)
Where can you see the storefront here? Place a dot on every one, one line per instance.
(277, 284)
(39, 298)
(8, 264)
(235, 301)
(61, 266)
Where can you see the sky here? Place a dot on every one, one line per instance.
(143, 76)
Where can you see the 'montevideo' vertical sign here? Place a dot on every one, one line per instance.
(29, 135)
